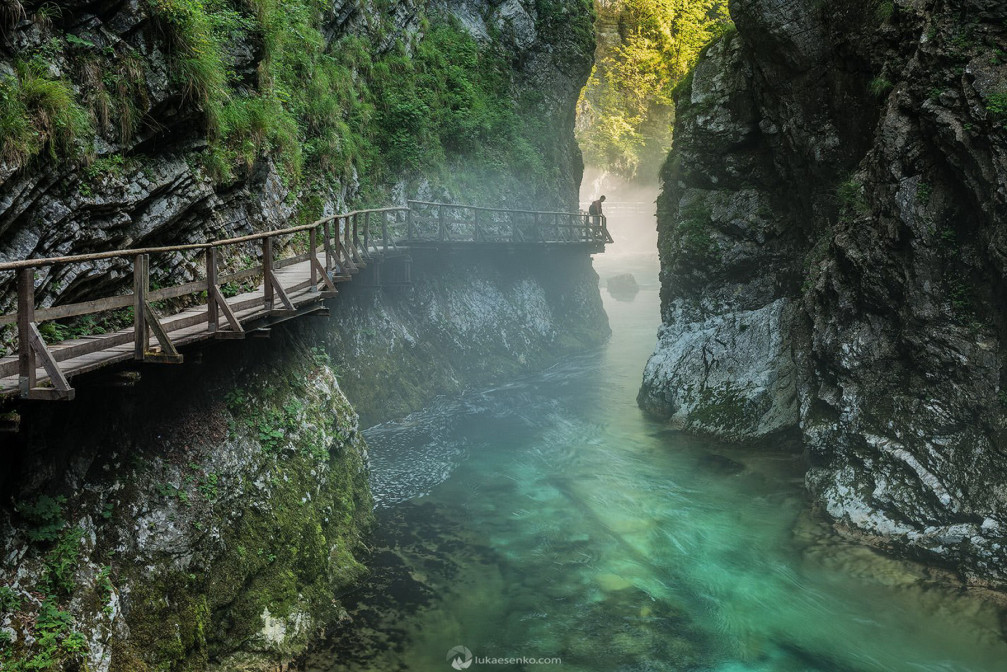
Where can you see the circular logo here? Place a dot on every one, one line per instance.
(460, 658)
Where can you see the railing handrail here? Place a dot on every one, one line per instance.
(132, 252)
(484, 209)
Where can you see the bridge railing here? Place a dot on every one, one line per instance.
(346, 239)
(343, 241)
(447, 222)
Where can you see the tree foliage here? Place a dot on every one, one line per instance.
(626, 111)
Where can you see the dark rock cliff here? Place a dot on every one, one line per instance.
(832, 246)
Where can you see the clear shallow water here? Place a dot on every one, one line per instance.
(548, 518)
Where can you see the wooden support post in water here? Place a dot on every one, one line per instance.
(25, 318)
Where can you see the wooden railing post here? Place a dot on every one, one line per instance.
(384, 229)
(25, 318)
(267, 272)
(441, 226)
(409, 223)
(212, 313)
(367, 233)
(337, 250)
(327, 242)
(313, 251)
(348, 235)
(513, 227)
(476, 233)
(141, 285)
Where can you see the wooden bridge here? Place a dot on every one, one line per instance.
(331, 250)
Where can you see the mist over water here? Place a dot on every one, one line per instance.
(546, 517)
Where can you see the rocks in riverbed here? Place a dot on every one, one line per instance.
(623, 287)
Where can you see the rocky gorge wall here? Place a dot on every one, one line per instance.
(464, 321)
(832, 252)
(208, 515)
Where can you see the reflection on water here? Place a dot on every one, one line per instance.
(548, 518)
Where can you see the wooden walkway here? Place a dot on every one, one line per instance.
(336, 248)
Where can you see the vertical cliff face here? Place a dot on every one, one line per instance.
(831, 239)
(207, 514)
(461, 323)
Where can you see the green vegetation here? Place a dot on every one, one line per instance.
(850, 195)
(880, 86)
(694, 231)
(326, 112)
(38, 112)
(86, 325)
(885, 11)
(626, 111)
(57, 645)
(996, 104)
(923, 193)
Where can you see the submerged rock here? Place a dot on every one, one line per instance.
(623, 287)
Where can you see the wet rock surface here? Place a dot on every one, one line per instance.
(185, 526)
(868, 147)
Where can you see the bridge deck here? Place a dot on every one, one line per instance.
(184, 328)
(288, 288)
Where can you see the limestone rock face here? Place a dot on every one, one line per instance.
(205, 515)
(838, 178)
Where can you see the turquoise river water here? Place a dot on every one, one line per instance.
(548, 519)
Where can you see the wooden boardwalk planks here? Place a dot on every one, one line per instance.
(89, 353)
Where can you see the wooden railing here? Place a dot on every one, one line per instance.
(344, 242)
(341, 240)
(447, 222)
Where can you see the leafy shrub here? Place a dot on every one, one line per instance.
(626, 111)
(44, 516)
(38, 112)
(996, 104)
(885, 11)
(850, 194)
(880, 86)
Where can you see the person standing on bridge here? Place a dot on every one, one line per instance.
(595, 208)
(595, 211)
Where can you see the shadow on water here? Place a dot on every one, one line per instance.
(547, 518)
